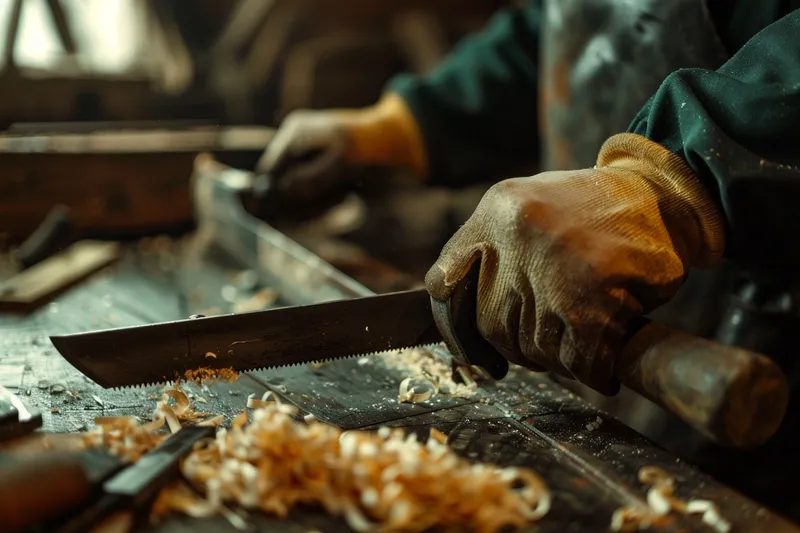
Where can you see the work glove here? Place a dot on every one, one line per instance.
(311, 152)
(569, 259)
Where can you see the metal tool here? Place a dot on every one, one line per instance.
(38, 488)
(16, 418)
(734, 396)
(134, 488)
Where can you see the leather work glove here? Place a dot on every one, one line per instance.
(312, 150)
(568, 259)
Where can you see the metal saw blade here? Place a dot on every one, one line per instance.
(162, 352)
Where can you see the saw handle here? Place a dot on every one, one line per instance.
(734, 396)
(38, 487)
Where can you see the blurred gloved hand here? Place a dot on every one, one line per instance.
(568, 259)
(312, 150)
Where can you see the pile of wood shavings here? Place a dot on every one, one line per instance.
(377, 481)
(661, 501)
(424, 365)
(127, 438)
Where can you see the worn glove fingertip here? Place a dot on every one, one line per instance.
(435, 283)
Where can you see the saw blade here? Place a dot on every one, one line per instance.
(158, 353)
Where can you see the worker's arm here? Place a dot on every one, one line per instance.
(478, 111)
(738, 128)
(474, 117)
(569, 259)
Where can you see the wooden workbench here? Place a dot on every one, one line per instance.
(589, 460)
(523, 420)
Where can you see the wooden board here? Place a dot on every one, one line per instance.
(43, 281)
(523, 420)
(116, 183)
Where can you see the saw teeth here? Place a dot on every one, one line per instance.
(143, 385)
(284, 365)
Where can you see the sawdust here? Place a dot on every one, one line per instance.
(209, 376)
(422, 364)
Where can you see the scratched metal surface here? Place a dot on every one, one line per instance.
(524, 420)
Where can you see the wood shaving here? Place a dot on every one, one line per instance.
(181, 411)
(438, 436)
(711, 516)
(626, 519)
(661, 502)
(409, 394)
(124, 436)
(422, 364)
(128, 439)
(266, 398)
(209, 376)
(375, 481)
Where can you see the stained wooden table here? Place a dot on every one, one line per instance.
(523, 420)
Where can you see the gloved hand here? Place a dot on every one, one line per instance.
(311, 151)
(569, 258)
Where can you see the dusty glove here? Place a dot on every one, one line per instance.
(385, 134)
(569, 258)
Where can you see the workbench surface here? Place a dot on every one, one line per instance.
(523, 420)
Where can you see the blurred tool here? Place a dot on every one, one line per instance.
(16, 418)
(89, 490)
(55, 233)
(130, 493)
(37, 489)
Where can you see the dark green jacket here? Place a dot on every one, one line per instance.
(737, 127)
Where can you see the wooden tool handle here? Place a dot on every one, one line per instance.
(53, 234)
(733, 396)
(35, 488)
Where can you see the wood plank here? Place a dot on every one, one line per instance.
(523, 420)
(116, 183)
(133, 141)
(38, 284)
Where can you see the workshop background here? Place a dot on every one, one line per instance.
(108, 110)
(70, 67)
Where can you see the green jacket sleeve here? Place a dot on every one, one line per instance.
(477, 111)
(739, 130)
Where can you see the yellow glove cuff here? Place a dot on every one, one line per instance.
(385, 134)
(687, 208)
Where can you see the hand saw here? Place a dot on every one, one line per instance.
(732, 395)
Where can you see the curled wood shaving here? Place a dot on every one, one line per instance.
(376, 481)
(438, 436)
(124, 436)
(422, 364)
(214, 421)
(410, 394)
(661, 502)
(711, 515)
(266, 398)
(182, 411)
(179, 497)
(626, 519)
